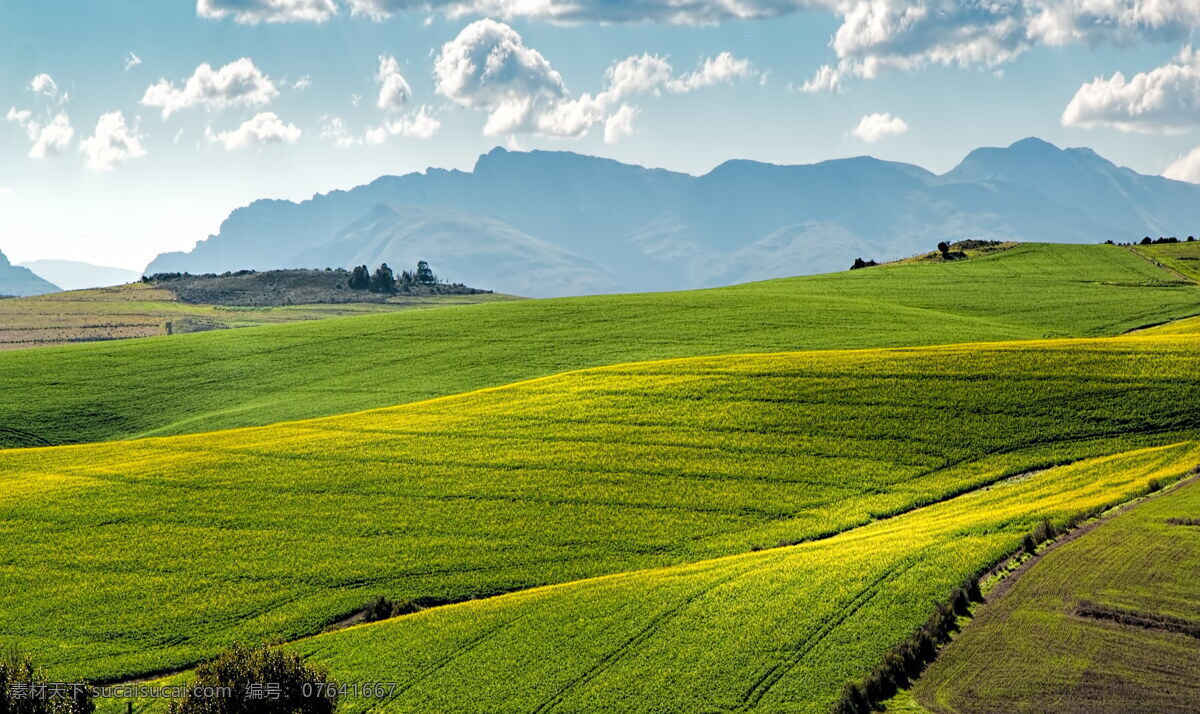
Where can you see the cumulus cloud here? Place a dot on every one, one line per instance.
(488, 67)
(49, 139)
(263, 128)
(1185, 168)
(394, 91)
(620, 124)
(112, 144)
(44, 85)
(131, 61)
(874, 127)
(54, 138)
(238, 83)
(1165, 99)
(302, 84)
(252, 12)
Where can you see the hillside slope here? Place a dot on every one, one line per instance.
(1107, 623)
(775, 631)
(589, 225)
(128, 557)
(190, 383)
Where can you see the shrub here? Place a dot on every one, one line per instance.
(258, 680)
(381, 608)
(24, 691)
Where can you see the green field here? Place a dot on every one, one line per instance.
(779, 630)
(1183, 258)
(1036, 649)
(144, 310)
(128, 557)
(254, 376)
(804, 472)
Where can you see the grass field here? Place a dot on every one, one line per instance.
(1049, 644)
(1183, 258)
(127, 557)
(779, 630)
(218, 380)
(142, 310)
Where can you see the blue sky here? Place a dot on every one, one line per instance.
(109, 155)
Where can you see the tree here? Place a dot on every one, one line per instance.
(259, 680)
(943, 247)
(425, 275)
(1191, 239)
(24, 691)
(383, 281)
(1146, 241)
(360, 279)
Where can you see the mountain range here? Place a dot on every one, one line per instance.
(75, 275)
(557, 223)
(18, 281)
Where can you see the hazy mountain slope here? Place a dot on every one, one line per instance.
(74, 275)
(474, 250)
(651, 229)
(18, 281)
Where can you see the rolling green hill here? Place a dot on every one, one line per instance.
(193, 383)
(123, 558)
(1106, 623)
(779, 630)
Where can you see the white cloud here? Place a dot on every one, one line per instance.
(238, 83)
(5, 192)
(1185, 168)
(44, 85)
(418, 125)
(722, 69)
(1165, 99)
(620, 124)
(131, 61)
(54, 138)
(302, 84)
(263, 128)
(394, 91)
(827, 79)
(112, 144)
(874, 127)
(252, 12)
(24, 119)
(335, 129)
(488, 67)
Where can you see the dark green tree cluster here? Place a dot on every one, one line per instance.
(360, 278)
(1159, 240)
(381, 608)
(859, 263)
(383, 280)
(258, 680)
(24, 691)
